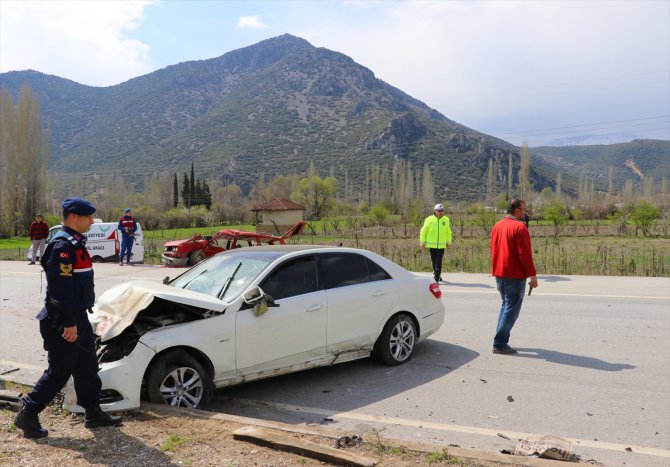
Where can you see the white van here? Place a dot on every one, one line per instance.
(104, 242)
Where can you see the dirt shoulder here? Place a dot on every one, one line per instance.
(160, 435)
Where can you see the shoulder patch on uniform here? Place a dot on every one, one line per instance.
(63, 255)
(65, 269)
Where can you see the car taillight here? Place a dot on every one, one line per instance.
(435, 290)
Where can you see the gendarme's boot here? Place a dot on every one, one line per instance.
(29, 422)
(96, 418)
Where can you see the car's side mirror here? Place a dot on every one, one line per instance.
(258, 300)
(166, 280)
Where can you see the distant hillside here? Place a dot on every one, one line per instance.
(272, 108)
(652, 157)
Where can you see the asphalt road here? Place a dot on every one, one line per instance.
(593, 367)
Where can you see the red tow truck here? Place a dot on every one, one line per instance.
(193, 250)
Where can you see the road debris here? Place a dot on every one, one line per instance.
(281, 440)
(348, 441)
(547, 446)
(510, 399)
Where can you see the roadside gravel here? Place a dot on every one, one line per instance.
(163, 436)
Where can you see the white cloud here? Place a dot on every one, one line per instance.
(89, 37)
(251, 22)
(512, 65)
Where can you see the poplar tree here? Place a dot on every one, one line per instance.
(186, 192)
(24, 157)
(510, 176)
(192, 187)
(175, 192)
(524, 171)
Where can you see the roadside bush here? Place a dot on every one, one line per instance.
(643, 216)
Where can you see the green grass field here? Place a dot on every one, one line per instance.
(581, 254)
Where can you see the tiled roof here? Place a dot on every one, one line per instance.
(277, 204)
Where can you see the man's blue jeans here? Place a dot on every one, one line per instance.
(512, 292)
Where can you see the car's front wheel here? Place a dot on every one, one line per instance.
(395, 344)
(178, 379)
(195, 257)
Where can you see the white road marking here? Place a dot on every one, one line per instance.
(20, 365)
(451, 427)
(97, 276)
(495, 292)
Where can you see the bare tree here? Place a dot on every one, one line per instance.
(24, 156)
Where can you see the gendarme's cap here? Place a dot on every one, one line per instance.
(438, 207)
(127, 210)
(78, 206)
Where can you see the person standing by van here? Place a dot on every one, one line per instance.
(436, 235)
(127, 226)
(38, 232)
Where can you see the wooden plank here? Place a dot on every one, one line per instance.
(279, 440)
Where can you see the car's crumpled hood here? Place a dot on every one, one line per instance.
(118, 307)
(177, 242)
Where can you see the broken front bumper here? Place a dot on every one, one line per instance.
(121, 382)
(172, 261)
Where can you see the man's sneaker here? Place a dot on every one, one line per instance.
(121, 263)
(96, 418)
(506, 350)
(32, 262)
(29, 422)
(130, 264)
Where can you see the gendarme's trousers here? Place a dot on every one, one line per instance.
(76, 359)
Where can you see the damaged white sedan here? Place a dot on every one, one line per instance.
(253, 313)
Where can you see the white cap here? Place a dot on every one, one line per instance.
(438, 207)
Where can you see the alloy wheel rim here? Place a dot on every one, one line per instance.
(402, 341)
(182, 387)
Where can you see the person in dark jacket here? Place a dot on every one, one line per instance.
(64, 325)
(127, 226)
(38, 232)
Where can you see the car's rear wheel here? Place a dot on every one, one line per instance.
(97, 259)
(178, 379)
(396, 343)
(195, 257)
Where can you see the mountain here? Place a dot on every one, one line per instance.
(269, 108)
(591, 140)
(651, 157)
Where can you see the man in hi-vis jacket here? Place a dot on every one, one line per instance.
(436, 236)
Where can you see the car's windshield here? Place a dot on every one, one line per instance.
(226, 275)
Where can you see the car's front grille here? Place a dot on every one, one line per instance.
(108, 396)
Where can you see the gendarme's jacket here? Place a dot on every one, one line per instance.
(127, 226)
(69, 272)
(436, 232)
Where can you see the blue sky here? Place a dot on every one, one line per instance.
(544, 70)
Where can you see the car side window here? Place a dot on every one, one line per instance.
(377, 273)
(343, 269)
(294, 277)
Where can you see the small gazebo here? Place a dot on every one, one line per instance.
(277, 215)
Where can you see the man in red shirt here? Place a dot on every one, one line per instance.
(38, 232)
(511, 264)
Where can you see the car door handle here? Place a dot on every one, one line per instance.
(378, 293)
(316, 307)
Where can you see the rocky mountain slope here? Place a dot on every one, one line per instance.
(269, 108)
